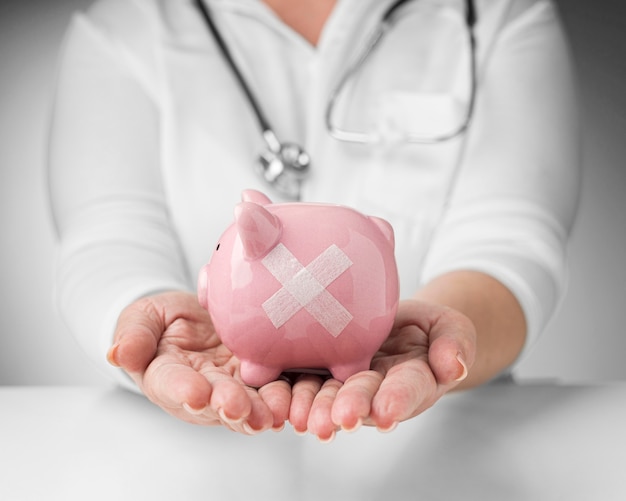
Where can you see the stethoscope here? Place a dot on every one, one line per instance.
(285, 165)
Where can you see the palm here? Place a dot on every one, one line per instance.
(409, 384)
(168, 345)
(194, 343)
(405, 346)
(414, 367)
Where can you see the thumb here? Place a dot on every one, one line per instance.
(139, 329)
(452, 346)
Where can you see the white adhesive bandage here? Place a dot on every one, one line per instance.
(306, 288)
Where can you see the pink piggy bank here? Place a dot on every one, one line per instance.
(301, 286)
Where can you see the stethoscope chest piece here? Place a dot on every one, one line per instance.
(284, 166)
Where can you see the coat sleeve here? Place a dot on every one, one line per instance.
(108, 203)
(515, 199)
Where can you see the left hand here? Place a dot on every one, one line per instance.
(428, 352)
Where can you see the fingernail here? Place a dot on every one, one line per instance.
(278, 428)
(226, 419)
(328, 439)
(300, 433)
(112, 355)
(463, 366)
(355, 427)
(192, 411)
(389, 429)
(249, 430)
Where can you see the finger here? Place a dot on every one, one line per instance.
(176, 387)
(452, 347)
(407, 390)
(353, 402)
(320, 422)
(229, 399)
(260, 417)
(447, 361)
(302, 396)
(451, 338)
(137, 334)
(277, 396)
(207, 398)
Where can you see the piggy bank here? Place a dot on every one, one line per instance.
(301, 287)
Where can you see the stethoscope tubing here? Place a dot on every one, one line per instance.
(266, 129)
(284, 165)
(258, 112)
(377, 35)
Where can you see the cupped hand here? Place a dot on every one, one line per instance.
(428, 352)
(168, 345)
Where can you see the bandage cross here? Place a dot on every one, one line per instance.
(305, 287)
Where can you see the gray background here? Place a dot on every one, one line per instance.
(585, 342)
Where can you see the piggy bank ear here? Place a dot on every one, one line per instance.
(255, 196)
(385, 228)
(259, 229)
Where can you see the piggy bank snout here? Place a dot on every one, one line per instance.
(203, 287)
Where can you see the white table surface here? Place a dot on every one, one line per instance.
(501, 442)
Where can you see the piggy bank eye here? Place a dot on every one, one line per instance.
(217, 248)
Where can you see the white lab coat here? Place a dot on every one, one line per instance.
(152, 142)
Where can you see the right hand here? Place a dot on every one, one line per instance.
(168, 346)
